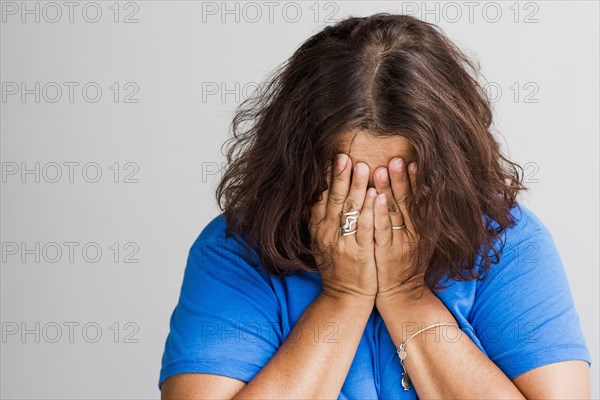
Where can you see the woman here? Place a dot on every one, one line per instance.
(371, 244)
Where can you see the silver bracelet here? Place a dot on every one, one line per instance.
(402, 352)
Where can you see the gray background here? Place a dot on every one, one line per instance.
(180, 70)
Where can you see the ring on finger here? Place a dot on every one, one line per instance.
(395, 216)
(347, 226)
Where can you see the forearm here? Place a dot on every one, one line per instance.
(442, 362)
(309, 365)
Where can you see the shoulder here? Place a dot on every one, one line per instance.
(214, 236)
(527, 257)
(214, 231)
(226, 321)
(523, 311)
(218, 253)
(528, 235)
(526, 224)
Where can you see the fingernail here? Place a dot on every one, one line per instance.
(383, 174)
(381, 199)
(342, 161)
(360, 169)
(412, 168)
(397, 164)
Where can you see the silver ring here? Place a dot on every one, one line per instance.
(397, 228)
(346, 228)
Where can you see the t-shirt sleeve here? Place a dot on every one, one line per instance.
(226, 319)
(523, 314)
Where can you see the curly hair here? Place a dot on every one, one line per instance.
(389, 75)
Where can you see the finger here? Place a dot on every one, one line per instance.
(400, 187)
(364, 233)
(412, 174)
(339, 188)
(358, 187)
(381, 222)
(319, 209)
(382, 184)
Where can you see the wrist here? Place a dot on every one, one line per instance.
(354, 300)
(403, 295)
(409, 305)
(404, 314)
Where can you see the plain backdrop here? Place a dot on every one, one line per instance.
(112, 121)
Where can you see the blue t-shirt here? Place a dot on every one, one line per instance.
(232, 317)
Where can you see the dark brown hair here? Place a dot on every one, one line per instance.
(389, 75)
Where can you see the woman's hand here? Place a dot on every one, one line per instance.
(348, 265)
(395, 250)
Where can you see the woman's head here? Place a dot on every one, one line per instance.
(374, 88)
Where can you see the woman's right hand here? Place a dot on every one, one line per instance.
(347, 266)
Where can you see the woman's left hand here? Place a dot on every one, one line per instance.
(395, 250)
